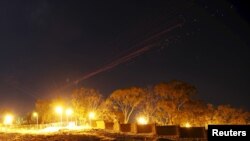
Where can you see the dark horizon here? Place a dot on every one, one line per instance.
(46, 45)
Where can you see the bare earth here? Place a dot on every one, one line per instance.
(93, 135)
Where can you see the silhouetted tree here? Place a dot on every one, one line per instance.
(85, 100)
(225, 114)
(126, 100)
(43, 108)
(46, 109)
(173, 95)
(148, 108)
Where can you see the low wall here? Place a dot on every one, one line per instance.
(128, 128)
(170, 131)
(109, 125)
(193, 132)
(148, 128)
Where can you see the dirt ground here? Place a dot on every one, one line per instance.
(73, 136)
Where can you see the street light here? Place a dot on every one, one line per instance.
(91, 117)
(59, 110)
(188, 125)
(142, 120)
(35, 114)
(8, 119)
(69, 112)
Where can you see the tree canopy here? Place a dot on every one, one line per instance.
(168, 103)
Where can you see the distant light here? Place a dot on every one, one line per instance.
(71, 125)
(50, 129)
(142, 120)
(91, 115)
(69, 112)
(188, 125)
(35, 114)
(59, 109)
(8, 119)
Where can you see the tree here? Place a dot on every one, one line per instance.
(149, 107)
(209, 114)
(42, 107)
(126, 100)
(108, 113)
(173, 95)
(46, 109)
(194, 112)
(225, 114)
(28, 118)
(85, 100)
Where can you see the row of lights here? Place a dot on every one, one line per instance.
(141, 120)
(59, 110)
(8, 118)
(69, 112)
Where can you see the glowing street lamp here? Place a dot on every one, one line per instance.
(69, 112)
(8, 119)
(142, 120)
(35, 114)
(188, 125)
(91, 115)
(59, 110)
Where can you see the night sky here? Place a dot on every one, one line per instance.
(45, 45)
